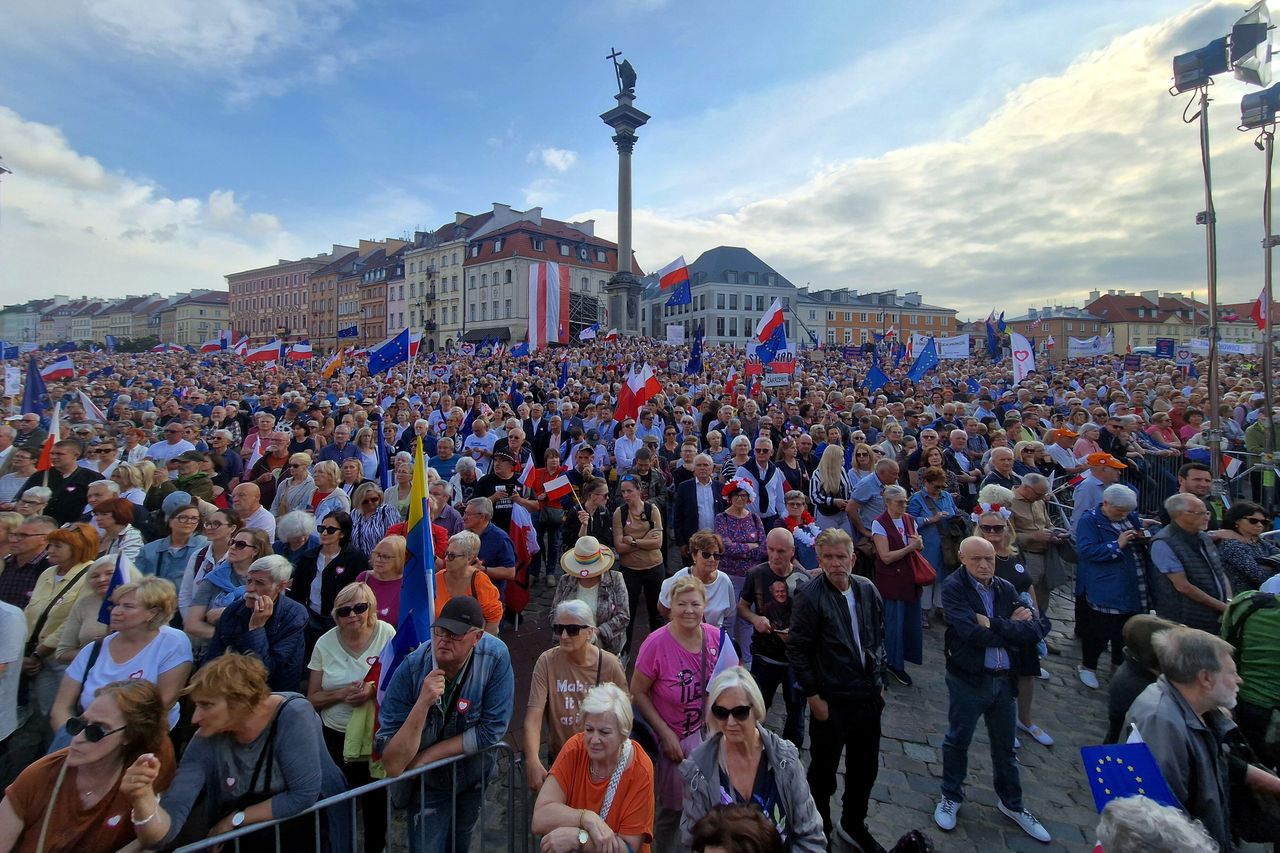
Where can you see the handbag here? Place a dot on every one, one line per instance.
(923, 573)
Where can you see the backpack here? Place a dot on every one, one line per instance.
(646, 514)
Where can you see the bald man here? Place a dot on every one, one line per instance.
(246, 500)
(986, 625)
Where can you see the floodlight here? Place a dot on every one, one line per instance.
(1193, 70)
(1258, 109)
(1251, 46)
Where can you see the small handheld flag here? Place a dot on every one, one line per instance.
(119, 577)
(1125, 770)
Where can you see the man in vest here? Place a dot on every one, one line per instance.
(767, 480)
(1190, 586)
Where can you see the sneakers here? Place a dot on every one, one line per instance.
(900, 676)
(1041, 736)
(551, 580)
(1017, 744)
(1024, 819)
(1044, 674)
(945, 814)
(1088, 677)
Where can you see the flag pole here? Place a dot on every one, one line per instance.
(577, 499)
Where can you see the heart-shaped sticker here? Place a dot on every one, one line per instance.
(114, 820)
(339, 570)
(231, 781)
(384, 611)
(134, 676)
(371, 660)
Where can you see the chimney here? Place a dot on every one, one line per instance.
(1093, 295)
(459, 217)
(1152, 295)
(1031, 313)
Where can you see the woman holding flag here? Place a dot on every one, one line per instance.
(544, 484)
(341, 689)
(84, 625)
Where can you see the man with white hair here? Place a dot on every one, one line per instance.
(265, 623)
(1190, 585)
(1180, 717)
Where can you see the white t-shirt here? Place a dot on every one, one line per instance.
(878, 529)
(721, 600)
(851, 602)
(263, 520)
(163, 451)
(13, 635)
(169, 649)
(474, 442)
(338, 668)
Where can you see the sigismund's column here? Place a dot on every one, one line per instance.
(624, 288)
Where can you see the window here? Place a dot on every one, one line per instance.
(601, 256)
(702, 302)
(497, 245)
(473, 281)
(1069, 327)
(848, 336)
(863, 317)
(720, 325)
(455, 314)
(507, 277)
(484, 279)
(507, 308)
(771, 279)
(484, 310)
(539, 244)
(564, 250)
(752, 278)
(475, 250)
(733, 327)
(472, 312)
(585, 285)
(731, 276)
(733, 302)
(928, 319)
(831, 316)
(455, 258)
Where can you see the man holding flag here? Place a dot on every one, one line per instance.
(451, 695)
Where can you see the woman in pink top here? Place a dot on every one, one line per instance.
(1162, 430)
(1194, 419)
(386, 562)
(1088, 441)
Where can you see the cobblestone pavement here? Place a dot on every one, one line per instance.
(914, 724)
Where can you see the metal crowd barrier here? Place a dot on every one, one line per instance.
(514, 799)
(1157, 480)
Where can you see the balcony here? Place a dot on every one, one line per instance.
(431, 325)
(430, 294)
(431, 269)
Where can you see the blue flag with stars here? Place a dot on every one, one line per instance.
(682, 295)
(1125, 770)
(520, 350)
(926, 361)
(876, 378)
(768, 351)
(393, 352)
(972, 386)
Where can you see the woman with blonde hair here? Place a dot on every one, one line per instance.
(385, 575)
(141, 646)
(328, 496)
(366, 444)
(831, 490)
(339, 686)
(294, 491)
(82, 626)
(864, 461)
(133, 486)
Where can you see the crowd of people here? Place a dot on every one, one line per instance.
(203, 570)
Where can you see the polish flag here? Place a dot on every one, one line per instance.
(673, 274)
(772, 319)
(241, 347)
(212, 345)
(526, 472)
(1259, 312)
(548, 304)
(60, 369)
(415, 339)
(1231, 465)
(626, 407)
(301, 351)
(269, 351)
(612, 335)
(730, 381)
(558, 488)
(55, 427)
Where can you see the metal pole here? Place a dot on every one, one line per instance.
(1267, 480)
(1208, 219)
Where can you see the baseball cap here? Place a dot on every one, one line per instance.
(1104, 460)
(1055, 434)
(190, 456)
(502, 454)
(459, 615)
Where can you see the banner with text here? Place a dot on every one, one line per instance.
(1200, 346)
(1089, 347)
(956, 347)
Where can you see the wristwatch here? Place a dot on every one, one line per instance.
(237, 819)
(583, 838)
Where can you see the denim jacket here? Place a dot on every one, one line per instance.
(481, 711)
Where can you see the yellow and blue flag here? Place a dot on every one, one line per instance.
(1125, 770)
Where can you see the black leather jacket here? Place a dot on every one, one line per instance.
(820, 648)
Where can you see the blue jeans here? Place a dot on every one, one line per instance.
(443, 824)
(769, 677)
(990, 697)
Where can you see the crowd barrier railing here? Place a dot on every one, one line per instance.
(508, 773)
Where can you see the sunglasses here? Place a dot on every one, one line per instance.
(711, 555)
(1256, 520)
(93, 732)
(571, 630)
(357, 609)
(993, 528)
(328, 528)
(236, 543)
(739, 713)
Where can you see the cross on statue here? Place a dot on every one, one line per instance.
(623, 71)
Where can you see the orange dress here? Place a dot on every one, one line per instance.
(632, 811)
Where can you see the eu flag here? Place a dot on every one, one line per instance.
(34, 392)
(1125, 770)
(694, 367)
(777, 342)
(520, 350)
(349, 332)
(393, 352)
(681, 295)
(972, 386)
(926, 361)
(876, 378)
(119, 577)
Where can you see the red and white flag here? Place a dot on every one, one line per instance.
(772, 319)
(526, 472)
(55, 428)
(60, 369)
(301, 351)
(548, 304)
(730, 381)
(557, 488)
(241, 347)
(269, 351)
(1231, 465)
(1259, 312)
(611, 335)
(673, 274)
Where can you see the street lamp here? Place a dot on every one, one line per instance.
(1247, 52)
(1258, 112)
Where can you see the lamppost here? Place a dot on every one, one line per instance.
(1247, 52)
(624, 287)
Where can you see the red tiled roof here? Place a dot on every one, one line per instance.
(517, 241)
(1117, 308)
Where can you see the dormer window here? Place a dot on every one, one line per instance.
(497, 245)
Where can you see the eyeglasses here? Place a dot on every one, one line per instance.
(739, 713)
(571, 630)
(93, 732)
(328, 528)
(454, 555)
(441, 635)
(992, 528)
(357, 609)
(236, 543)
(187, 519)
(372, 499)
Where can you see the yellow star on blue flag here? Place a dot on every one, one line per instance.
(1125, 770)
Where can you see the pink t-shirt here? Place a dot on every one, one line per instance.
(680, 677)
(388, 595)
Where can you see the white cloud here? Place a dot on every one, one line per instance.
(1086, 179)
(556, 159)
(72, 226)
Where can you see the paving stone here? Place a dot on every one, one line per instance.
(921, 752)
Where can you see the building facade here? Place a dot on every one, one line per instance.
(273, 301)
(1058, 322)
(194, 318)
(1138, 319)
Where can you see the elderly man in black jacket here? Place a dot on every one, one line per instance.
(986, 624)
(836, 650)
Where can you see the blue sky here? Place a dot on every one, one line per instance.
(1013, 153)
